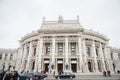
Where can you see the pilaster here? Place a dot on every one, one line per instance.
(80, 54)
(28, 59)
(53, 50)
(101, 52)
(40, 53)
(94, 53)
(66, 52)
(37, 56)
(22, 60)
(85, 58)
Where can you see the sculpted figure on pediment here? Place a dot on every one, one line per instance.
(60, 19)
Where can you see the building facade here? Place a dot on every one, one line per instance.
(63, 45)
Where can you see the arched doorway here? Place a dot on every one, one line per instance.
(3, 66)
(9, 66)
(90, 66)
(33, 65)
(99, 65)
(114, 68)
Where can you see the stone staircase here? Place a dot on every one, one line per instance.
(83, 76)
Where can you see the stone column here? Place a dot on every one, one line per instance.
(80, 54)
(85, 59)
(37, 56)
(22, 60)
(66, 52)
(94, 53)
(101, 52)
(53, 51)
(29, 55)
(40, 53)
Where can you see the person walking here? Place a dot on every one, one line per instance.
(104, 73)
(14, 75)
(109, 73)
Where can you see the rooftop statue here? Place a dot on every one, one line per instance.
(60, 19)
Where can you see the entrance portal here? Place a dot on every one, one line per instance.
(33, 65)
(74, 67)
(60, 67)
(46, 67)
(89, 66)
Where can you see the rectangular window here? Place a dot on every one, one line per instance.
(47, 46)
(73, 49)
(60, 49)
(88, 51)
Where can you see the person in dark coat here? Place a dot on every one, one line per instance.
(14, 75)
(109, 73)
(104, 73)
(7, 76)
(2, 75)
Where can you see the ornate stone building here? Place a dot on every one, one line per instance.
(8, 58)
(62, 45)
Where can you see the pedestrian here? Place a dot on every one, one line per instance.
(15, 75)
(53, 73)
(108, 72)
(104, 73)
(2, 75)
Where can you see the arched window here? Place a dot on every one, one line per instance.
(33, 65)
(111, 56)
(34, 51)
(5, 56)
(113, 67)
(3, 66)
(99, 65)
(96, 51)
(11, 56)
(9, 66)
(0, 56)
(89, 66)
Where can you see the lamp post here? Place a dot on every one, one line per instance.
(66, 66)
(52, 66)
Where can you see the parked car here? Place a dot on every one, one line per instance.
(64, 75)
(34, 76)
(25, 76)
(38, 75)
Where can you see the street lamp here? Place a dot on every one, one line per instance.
(66, 66)
(52, 66)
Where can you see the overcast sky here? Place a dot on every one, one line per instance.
(19, 17)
